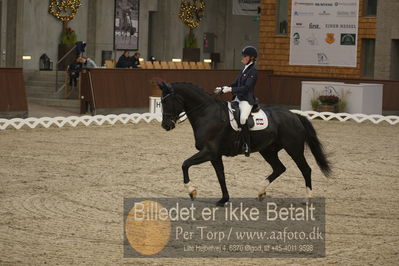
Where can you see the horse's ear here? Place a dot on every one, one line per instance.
(161, 86)
(165, 87)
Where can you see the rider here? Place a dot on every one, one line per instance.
(243, 90)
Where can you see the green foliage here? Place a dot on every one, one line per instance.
(341, 105)
(190, 41)
(315, 104)
(68, 37)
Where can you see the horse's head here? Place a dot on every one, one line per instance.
(172, 106)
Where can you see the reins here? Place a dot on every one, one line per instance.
(178, 117)
(185, 113)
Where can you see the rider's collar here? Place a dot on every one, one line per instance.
(246, 66)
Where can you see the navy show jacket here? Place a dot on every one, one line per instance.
(244, 86)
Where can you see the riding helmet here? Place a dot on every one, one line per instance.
(249, 51)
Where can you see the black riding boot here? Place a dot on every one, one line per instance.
(246, 139)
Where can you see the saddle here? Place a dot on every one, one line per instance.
(257, 120)
(237, 112)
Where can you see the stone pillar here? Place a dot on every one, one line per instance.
(11, 29)
(92, 29)
(145, 8)
(3, 8)
(387, 29)
(15, 29)
(169, 31)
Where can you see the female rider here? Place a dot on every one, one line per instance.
(243, 90)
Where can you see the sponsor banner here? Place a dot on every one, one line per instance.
(243, 228)
(246, 7)
(324, 32)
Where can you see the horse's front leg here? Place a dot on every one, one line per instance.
(219, 169)
(202, 156)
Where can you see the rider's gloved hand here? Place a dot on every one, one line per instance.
(218, 90)
(226, 89)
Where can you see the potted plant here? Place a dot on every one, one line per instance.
(191, 13)
(65, 11)
(68, 39)
(327, 101)
(191, 52)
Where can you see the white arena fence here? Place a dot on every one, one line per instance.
(99, 120)
(359, 118)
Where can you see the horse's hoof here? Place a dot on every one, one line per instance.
(262, 196)
(193, 194)
(222, 203)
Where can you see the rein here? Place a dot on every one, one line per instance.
(199, 107)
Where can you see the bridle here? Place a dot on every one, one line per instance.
(174, 116)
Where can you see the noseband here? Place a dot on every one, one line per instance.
(174, 116)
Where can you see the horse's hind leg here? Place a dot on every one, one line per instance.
(271, 156)
(300, 160)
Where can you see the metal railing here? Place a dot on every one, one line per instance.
(56, 66)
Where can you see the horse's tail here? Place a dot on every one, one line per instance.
(315, 146)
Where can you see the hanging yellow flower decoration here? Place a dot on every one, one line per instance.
(191, 13)
(64, 10)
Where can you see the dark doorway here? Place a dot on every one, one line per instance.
(395, 60)
(151, 34)
(368, 51)
(1, 33)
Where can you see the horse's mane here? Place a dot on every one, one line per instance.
(187, 86)
(190, 87)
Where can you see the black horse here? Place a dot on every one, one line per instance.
(214, 136)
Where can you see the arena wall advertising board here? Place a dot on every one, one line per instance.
(324, 33)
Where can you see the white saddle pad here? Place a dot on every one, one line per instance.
(260, 120)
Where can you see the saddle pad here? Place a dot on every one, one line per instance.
(260, 120)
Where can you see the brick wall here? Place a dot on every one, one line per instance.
(274, 49)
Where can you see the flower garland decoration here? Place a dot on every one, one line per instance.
(64, 10)
(191, 12)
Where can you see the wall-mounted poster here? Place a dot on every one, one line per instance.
(126, 28)
(324, 33)
(246, 7)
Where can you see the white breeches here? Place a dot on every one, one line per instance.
(245, 109)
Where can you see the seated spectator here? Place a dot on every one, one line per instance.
(136, 60)
(88, 63)
(74, 71)
(124, 61)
